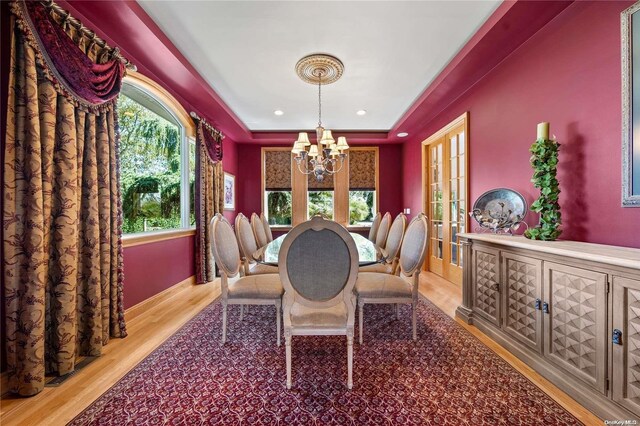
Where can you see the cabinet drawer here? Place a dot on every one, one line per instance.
(575, 336)
(522, 299)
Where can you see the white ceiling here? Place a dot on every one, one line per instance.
(247, 51)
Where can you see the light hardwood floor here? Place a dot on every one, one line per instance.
(57, 406)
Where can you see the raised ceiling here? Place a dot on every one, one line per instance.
(247, 51)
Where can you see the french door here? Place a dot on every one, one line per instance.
(445, 180)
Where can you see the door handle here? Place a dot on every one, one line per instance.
(538, 304)
(545, 307)
(616, 338)
(495, 286)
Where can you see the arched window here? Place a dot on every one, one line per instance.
(157, 158)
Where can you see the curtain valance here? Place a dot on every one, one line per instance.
(79, 64)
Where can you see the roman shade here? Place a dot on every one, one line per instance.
(277, 170)
(362, 170)
(325, 185)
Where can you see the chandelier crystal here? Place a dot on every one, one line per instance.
(325, 157)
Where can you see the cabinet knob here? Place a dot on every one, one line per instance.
(538, 304)
(496, 286)
(616, 338)
(545, 307)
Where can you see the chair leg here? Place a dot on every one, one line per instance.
(241, 312)
(350, 362)
(360, 317)
(224, 322)
(413, 319)
(278, 305)
(397, 311)
(287, 343)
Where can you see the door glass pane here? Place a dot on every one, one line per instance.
(461, 190)
(454, 167)
(461, 143)
(454, 211)
(461, 170)
(454, 254)
(454, 146)
(437, 211)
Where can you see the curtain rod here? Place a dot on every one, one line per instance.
(206, 123)
(67, 18)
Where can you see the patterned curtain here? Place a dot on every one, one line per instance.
(62, 265)
(209, 195)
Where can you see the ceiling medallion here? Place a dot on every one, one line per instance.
(320, 159)
(313, 68)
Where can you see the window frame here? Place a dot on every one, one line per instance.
(187, 136)
(376, 198)
(263, 190)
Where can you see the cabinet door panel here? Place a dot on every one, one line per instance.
(626, 355)
(575, 336)
(486, 283)
(522, 285)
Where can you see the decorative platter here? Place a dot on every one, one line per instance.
(499, 209)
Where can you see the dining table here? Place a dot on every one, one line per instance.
(368, 252)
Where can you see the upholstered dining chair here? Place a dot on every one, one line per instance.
(248, 246)
(392, 248)
(383, 230)
(235, 290)
(375, 287)
(373, 232)
(318, 264)
(258, 230)
(267, 228)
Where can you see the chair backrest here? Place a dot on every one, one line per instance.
(414, 246)
(318, 264)
(383, 230)
(395, 237)
(224, 246)
(258, 230)
(373, 232)
(246, 239)
(267, 227)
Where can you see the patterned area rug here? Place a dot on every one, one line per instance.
(448, 377)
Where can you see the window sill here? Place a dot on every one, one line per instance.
(358, 228)
(131, 240)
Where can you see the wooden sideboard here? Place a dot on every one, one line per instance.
(570, 310)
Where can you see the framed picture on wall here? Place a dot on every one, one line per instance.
(630, 23)
(229, 191)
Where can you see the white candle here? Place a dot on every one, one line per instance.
(543, 130)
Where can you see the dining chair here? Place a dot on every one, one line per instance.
(267, 227)
(258, 230)
(375, 287)
(392, 248)
(373, 232)
(318, 264)
(263, 289)
(383, 230)
(248, 246)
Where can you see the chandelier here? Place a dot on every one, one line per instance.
(325, 157)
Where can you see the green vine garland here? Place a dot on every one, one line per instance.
(545, 162)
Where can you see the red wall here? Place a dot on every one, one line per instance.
(568, 74)
(249, 175)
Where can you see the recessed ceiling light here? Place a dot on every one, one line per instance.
(278, 112)
(361, 112)
(403, 134)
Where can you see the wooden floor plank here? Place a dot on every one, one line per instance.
(56, 406)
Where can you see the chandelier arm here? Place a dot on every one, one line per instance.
(306, 170)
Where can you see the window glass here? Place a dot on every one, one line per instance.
(278, 209)
(150, 151)
(361, 207)
(320, 202)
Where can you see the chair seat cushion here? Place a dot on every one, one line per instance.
(304, 316)
(383, 268)
(261, 268)
(377, 285)
(266, 286)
